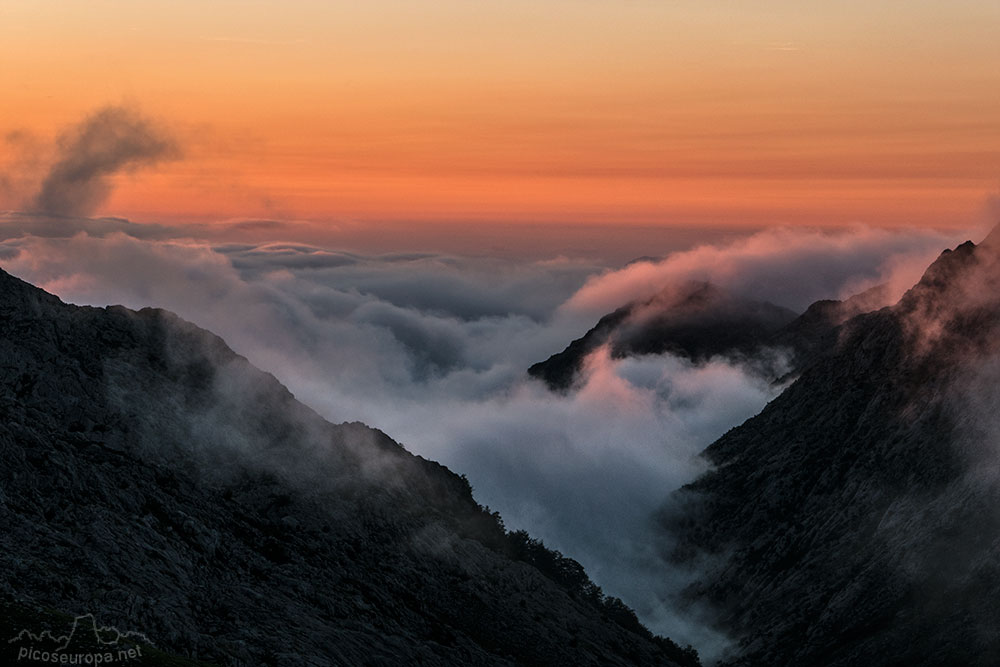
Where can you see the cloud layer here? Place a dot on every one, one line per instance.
(433, 349)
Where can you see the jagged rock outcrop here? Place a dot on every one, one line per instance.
(155, 479)
(854, 521)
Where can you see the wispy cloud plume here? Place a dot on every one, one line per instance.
(113, 139)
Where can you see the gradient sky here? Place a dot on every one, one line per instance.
(574, 112)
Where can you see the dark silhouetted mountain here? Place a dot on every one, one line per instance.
(153, 478)
(698, 321)
(694, 320)
(855, 520)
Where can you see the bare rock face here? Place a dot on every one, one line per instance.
(855, 520)
(153, 478)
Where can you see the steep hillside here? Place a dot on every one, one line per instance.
(153, 478)
(855, 521)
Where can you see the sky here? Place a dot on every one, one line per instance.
(444, 118)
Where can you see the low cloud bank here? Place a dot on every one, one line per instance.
(790, 267)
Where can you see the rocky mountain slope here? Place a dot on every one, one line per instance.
(153, 478)
(855, 520)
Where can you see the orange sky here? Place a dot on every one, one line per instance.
(570, 111)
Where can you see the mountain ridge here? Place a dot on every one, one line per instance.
(695, 320)
(852, 522)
